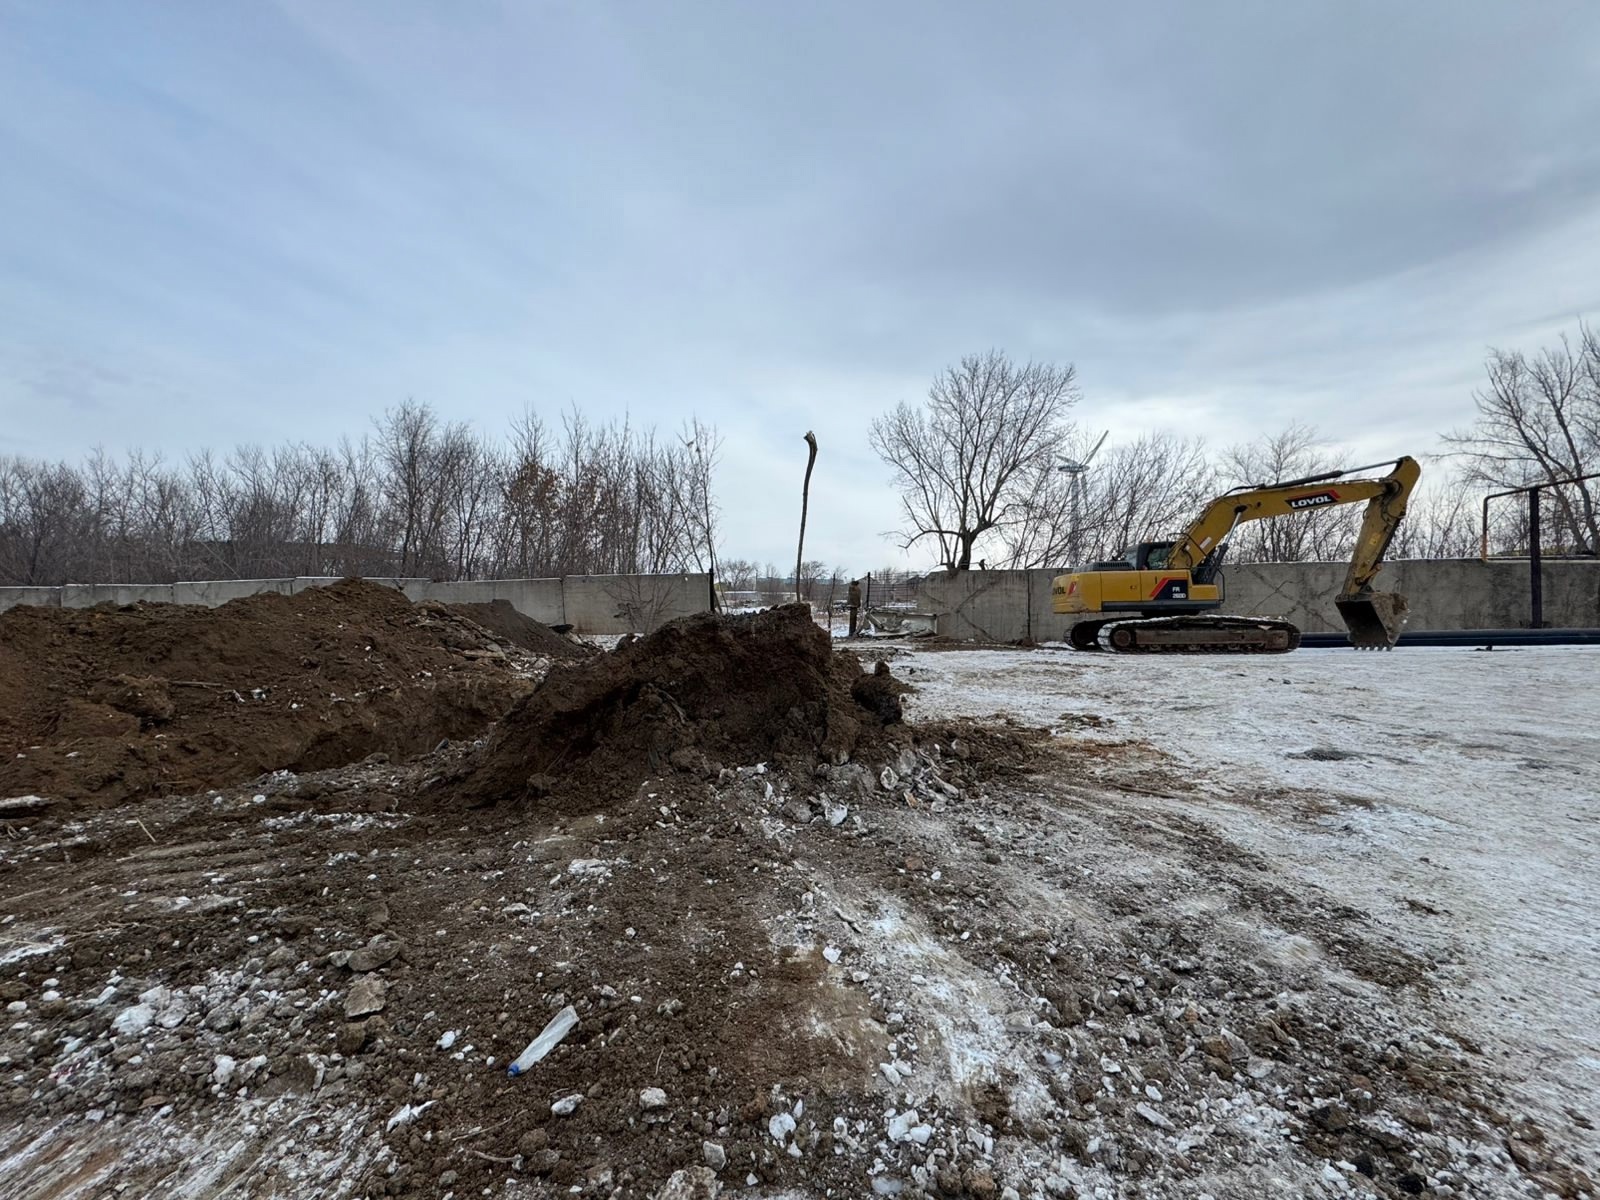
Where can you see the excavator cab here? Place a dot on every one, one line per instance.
(1151, 556)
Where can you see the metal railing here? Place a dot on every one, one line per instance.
(1535, 551)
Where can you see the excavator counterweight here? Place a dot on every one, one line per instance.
(1163, 596)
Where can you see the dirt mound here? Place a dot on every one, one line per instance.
(699, 693)
(105, 705)
(501, 619)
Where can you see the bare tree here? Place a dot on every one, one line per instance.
(805, 503)
(701, 448)
(967, 462)
(812, 573)
(1441, 519)
(1539, 422)
(772, 584)
(1289, 454)
(418, 496)
(1143, 490)
(738, 574)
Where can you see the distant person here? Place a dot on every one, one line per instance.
(855, 604)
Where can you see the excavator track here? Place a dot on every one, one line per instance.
(1198, 635)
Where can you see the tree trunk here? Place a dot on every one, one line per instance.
(805, 501)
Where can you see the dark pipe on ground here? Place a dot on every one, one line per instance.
(1469, 637)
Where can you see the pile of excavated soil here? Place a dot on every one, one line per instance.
(501, 619)
(699, 694)
(104, 705)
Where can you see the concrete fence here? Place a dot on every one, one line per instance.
(994, 606)
(1010, 606)
(589, 603)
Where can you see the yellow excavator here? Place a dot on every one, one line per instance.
(1162, 596)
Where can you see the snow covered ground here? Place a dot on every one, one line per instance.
(1453, 795)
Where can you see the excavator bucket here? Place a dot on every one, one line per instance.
(1374, 619)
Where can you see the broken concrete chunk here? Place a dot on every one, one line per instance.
(780, 1126)
(1154, 1117)
(906, 1127)
(352, 1037)
(691, 1183)
(369, 958)
(1227, 1046)
(567, 1105)
(130, 1022)
(406, 1114)
(367, 996)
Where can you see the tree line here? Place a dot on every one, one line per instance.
(992, 471)
(416, 496)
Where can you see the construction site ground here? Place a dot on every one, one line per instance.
(1311, 925)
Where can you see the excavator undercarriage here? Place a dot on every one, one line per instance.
(1188, 635)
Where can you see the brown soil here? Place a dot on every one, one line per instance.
(699, 694)
(498, 617)
(695, 928)
(485, 928)
(109, 704)
(783, 919)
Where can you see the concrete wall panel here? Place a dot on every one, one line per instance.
(1444, 594)
(591, 603)
(540, 599)
(608, 604)
(87, 595)
(1046, 625)
(44, 597)
(216, 592)
(980, 606)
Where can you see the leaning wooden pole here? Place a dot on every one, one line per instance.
(805, 502)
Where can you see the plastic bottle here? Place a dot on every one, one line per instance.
(563, 1023)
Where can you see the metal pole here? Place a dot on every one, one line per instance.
(1077, 510)
(1535, 563)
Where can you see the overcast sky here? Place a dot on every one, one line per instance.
(255, 222)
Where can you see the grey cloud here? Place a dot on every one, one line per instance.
(276, 221)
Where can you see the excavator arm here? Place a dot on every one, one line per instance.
(1374, 618)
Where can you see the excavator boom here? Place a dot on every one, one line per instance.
(1374, 619)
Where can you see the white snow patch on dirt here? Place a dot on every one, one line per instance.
(1461, 805)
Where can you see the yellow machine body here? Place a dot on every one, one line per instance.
(1093, 592)
(1171, 585)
